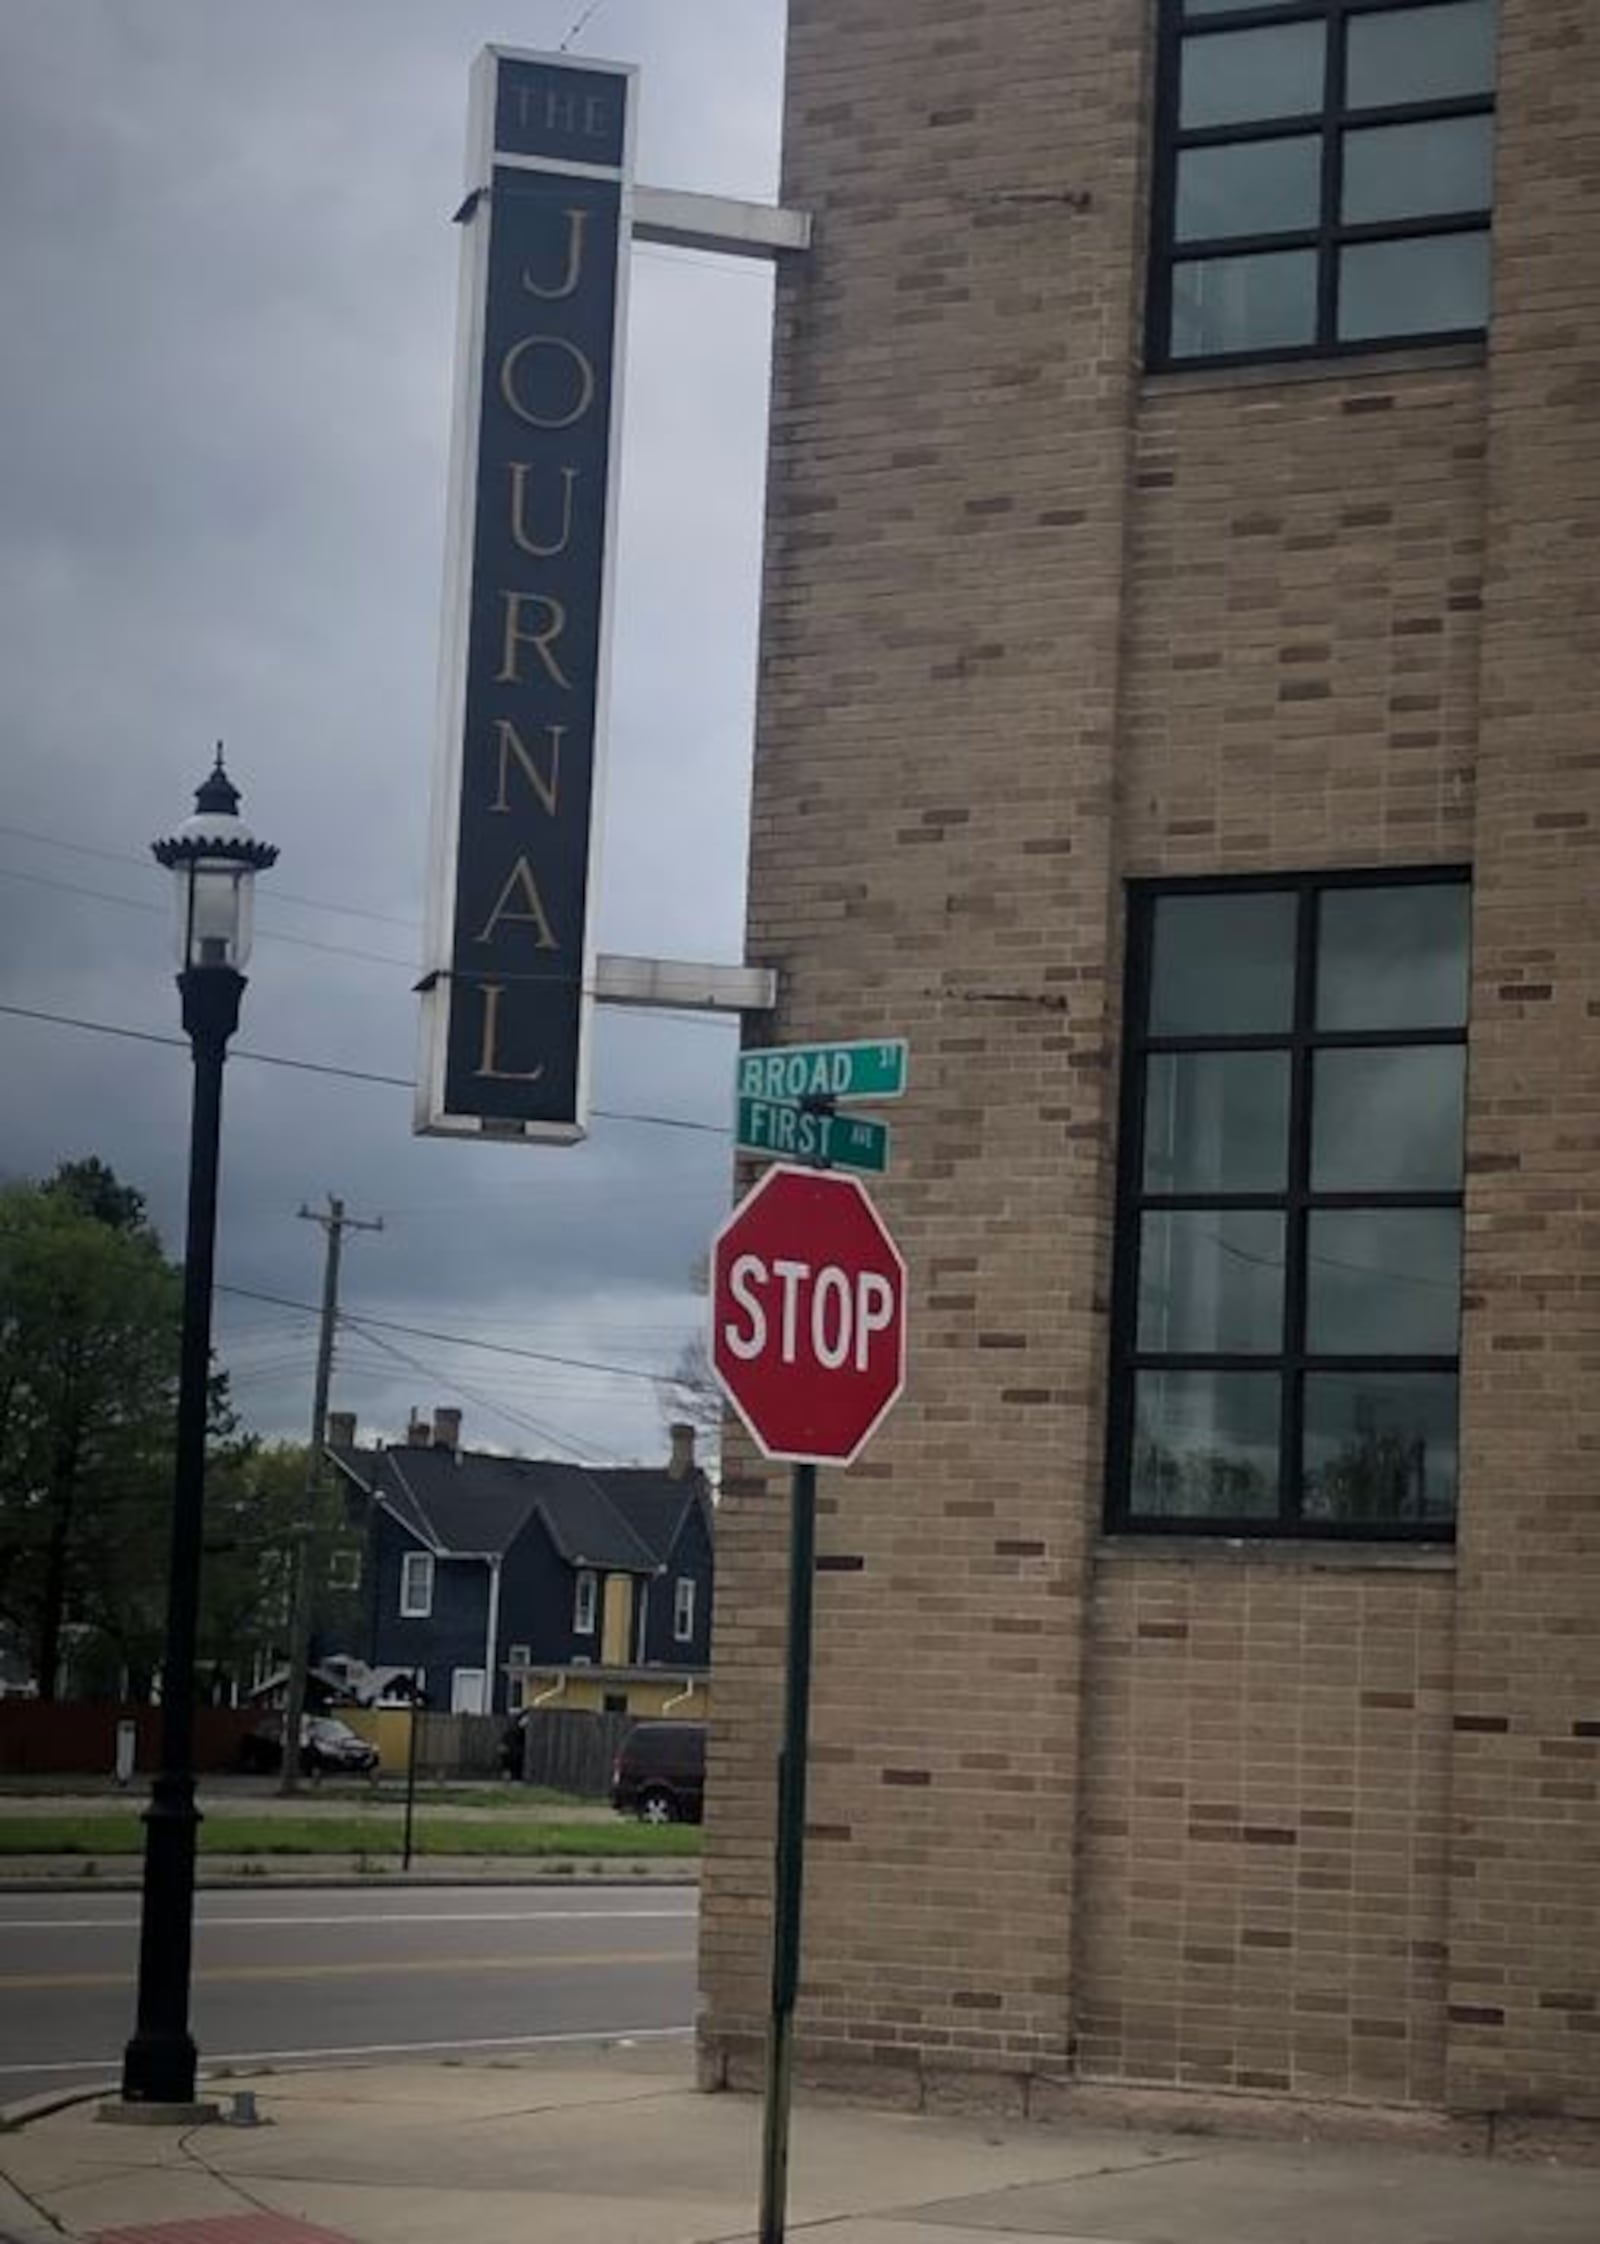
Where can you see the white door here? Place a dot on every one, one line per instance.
(466, 1690)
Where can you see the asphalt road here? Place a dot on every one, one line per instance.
(286, 1977)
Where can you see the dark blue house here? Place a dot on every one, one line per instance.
(511, 1580)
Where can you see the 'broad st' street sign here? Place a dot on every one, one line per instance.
(795, 1133)
(867, 1070)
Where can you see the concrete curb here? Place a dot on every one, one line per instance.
(78, 1882)
(49, 2101)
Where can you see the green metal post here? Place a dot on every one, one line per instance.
(789, 1869)
(411, 1771)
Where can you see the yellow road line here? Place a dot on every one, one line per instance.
(41, 1982)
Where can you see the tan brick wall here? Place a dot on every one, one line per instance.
(1525, 1902)
(1033, 626)
(1264, 1824)
(931, 856)
(1303, 598)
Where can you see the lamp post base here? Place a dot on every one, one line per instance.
(119, 2114)
(158, 2064)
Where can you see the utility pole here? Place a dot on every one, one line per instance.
(335, 1223)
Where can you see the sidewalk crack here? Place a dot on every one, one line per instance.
(1141, 2165)
(541, 2111)
(921, 2208)
(188, 2145)
(33, 2202)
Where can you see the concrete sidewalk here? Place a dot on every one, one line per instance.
(615, 2147)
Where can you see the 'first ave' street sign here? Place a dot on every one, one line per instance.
(869, 1070)
(798, 1133)
(808, 1310)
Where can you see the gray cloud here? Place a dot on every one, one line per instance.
(228, 287)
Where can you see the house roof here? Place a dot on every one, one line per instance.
(654, 1505)
(622, 1520)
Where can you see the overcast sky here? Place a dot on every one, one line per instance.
(225, 350)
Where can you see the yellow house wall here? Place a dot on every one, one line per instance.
(617, 1625)
(648, 1700)
(387, 1727)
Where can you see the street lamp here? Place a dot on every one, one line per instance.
(214, 859)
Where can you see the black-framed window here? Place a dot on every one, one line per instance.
(1323, 177)
(1288, 1282)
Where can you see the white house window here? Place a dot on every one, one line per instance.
(585, 1598)
(416, 1586)
(344, 1569)
(519, 1658)
(683, 1610)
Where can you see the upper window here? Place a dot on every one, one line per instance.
(416, 1585)
(1289, 1244)
(683, 1610)
(344, 1567)
(1323, 176)
(585, 1598)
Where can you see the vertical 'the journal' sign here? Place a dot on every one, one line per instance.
(506, 1004)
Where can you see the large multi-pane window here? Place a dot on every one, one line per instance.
(1288, 1297)
(1323, 176)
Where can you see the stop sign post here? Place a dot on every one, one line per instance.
(808, 1341)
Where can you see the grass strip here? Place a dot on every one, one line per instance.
(368, 1834)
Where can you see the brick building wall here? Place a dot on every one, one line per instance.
(1286, 1820)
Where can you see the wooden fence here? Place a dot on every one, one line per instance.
(572, 1751)
(459, 1745)
(79, 1737)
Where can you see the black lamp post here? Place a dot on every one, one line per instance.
(214, 859)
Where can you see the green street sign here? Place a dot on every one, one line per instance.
(793, 1133)
(866, 1070)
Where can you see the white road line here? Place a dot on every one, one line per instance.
(383, 2049)
(205, 1923)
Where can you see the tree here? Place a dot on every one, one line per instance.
(89, 1319)
(254, 1498)
(93, 1190)
(691, 1393)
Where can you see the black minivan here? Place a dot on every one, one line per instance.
(659, 1773)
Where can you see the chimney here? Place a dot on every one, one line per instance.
(419, 1434)
(681, 1463)
(447, 1430)
(341, 1432)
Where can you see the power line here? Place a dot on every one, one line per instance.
(454, 1384)
(456, 1339)
(131, 857)
(325, 1067)
(266, 934)
(585, 16)
(679, 1016)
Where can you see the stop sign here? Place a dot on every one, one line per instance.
(808, 1315)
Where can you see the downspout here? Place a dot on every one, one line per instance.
(644, 1622)
(492, 1634)
(557, 1690)
(679, 1698)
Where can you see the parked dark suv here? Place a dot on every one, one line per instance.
(659, 1773)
